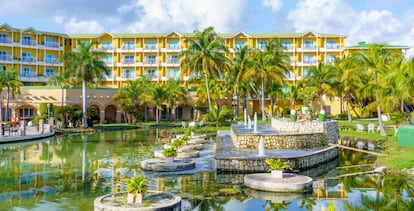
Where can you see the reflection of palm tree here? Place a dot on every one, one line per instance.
(275, 206)
(308, 203)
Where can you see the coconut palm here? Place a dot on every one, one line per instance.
(322, 80)
(159, 95)
(85, 66)
(269, 65)
(175, 92)
(9, 79)
(376, 60)
(62, 81)
(205, 55)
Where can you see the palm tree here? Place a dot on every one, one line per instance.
(269, 65)
(10, 80)
(85, 66)
(322, 80)
(175, 92)
(62, 81)
(241, 63)
(376, 60)
(158, 94)
(205, 55)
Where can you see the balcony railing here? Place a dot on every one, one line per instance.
(151, 61)
(29, 42)
(28, 59)
(129, 61)
(128, 76)
(52, 45)
(151, 76)
(310, 47)
(6, 40)
(150, 47)
(6, 58)
(106, 47)
(128, 47)
(333, 46)
(51, 61)
(173, 47)
(310, 61)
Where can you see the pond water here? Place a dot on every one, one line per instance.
(69, 172)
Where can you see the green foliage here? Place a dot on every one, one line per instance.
(276, 164)
(218, 117)
(169, 152)
(137, 184)
(93, 113)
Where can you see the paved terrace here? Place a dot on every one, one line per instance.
(15, 134)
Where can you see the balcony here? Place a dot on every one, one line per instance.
(310, 62)
(31, 77)
(288, 48)
(108, 62)
(106, 48)
(6, 41)
(52, 61)
(151, 62)
(128, 76)
(28, 43)
(150, 48)
(28, 60)
(6, 59)
(107, 77)
(171, 62)
(152, 77)
(310, 47)
(333, 47)
(52, 46)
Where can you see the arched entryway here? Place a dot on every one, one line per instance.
(110, 114)
(94, 114)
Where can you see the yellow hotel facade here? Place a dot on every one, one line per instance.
(35, 55)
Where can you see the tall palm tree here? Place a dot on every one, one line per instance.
(62, 81)
(175, 92)
(85, 66)
(376, 60)
(159, 95)
(9, 79)
(322, 80)
(241, 63)
(206, 55)
(269, 65)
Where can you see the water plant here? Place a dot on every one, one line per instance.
(136, 188)
(276, 164)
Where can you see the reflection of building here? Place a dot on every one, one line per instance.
(35, 55)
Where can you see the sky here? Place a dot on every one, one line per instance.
(381, 21)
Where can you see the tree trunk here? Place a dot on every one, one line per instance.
(263, 103)
(61, 104)
(348, 110)
(1, 109)
(84, 104)
(7, 114)
(208, 94)
(381, 126)
(321, 102)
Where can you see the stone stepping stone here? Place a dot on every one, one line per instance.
(159, 165)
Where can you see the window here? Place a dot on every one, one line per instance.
(108, 59)
(330, 58)
(49, 72)
(27, 57)
(286, 44)
(173, 73)
(151, 74)
(4, 56)
(173, 44)
(129, 74)
(26, 72)
(129, 45)
(151, 59)
(308, 59)
(151, 45)
(173, 59)
(50, 42)
(129, 59)
(261, 45)
(240, 44)
(50, 59)
(308, 44)
(107, 45)
(26, 113)
(4, 38)
(27, 40)
(331, 44)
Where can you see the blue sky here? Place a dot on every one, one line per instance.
(360, 20)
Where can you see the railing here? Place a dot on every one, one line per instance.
(173, 61)
(51, 61)
(310, 47)
(28, 59)
(333, 46)
(150, 61)
(310, 61)
(29, 42)
(173, 47)
(150, 47)
(6, 58)
(128, 76)
(128, 47)
(52, 45)
(106, 47)
(6, 40)
(129, 61)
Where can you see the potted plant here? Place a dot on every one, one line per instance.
(136, 188)
(169, 154)
(322, 116)
(276, 167)
(293, 116)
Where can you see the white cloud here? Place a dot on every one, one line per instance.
(274, 5)
(73, 25)
(183, 15)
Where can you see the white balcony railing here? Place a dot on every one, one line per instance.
(6, 58)
(28, 59)
(51, 61)
(310, 61)
(128, 47)
(333, 46)
(28, 42)
(151, 61)
(53, 45)
(310, 47)
(5, 40)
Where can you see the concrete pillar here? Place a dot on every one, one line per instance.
(23, 128)
(101, 116)
(42, 126)
(118, 116)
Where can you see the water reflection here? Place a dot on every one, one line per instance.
(69, 172)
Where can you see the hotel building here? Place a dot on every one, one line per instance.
(35, 55)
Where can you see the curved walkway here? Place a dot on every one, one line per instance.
(31, 134)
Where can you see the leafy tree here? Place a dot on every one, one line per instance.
(9, 79)
(218, 116)
(205, 56)
(174, 92)
(85, 66)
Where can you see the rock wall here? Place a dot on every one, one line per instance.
(240, 164)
